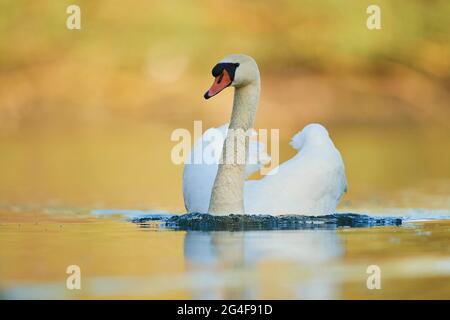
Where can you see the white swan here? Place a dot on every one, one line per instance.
(311, 183)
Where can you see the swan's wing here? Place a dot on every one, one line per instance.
(344, 181)
(338, 179)
(198, 178)
(311, 183)
(336, 176)
(257, 156)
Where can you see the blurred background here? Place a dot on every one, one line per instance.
(86, 115)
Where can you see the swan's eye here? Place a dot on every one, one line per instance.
(220, 78)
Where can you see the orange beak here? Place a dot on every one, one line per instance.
(220, 82)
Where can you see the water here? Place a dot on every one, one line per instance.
(146, 254)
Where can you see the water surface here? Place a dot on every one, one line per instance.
(123, 259)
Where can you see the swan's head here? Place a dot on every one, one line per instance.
(312, 134)
(235, 70)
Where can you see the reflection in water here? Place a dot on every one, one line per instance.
(302, 251)
(120, 259)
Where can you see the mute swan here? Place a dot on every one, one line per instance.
(311, 183)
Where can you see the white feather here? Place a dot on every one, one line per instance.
(311, 183)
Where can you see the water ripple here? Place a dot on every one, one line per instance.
(207, 222)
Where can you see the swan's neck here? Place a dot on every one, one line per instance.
(228, 191)
(245, 104)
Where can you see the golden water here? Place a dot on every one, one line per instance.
(119, 259)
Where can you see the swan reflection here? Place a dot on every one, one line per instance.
(263, 264)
